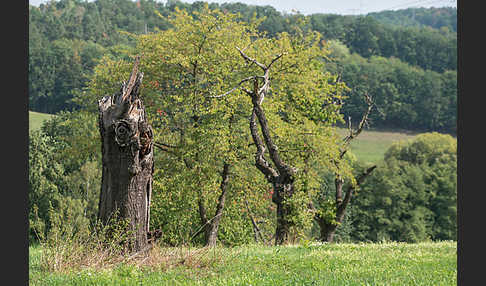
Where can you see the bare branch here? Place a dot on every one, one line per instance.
(275, 59)
(248, 59)
(364, 121)
(347, 198)
(165, 145)
(256, 229)
(247, 91)
(224, 94)
(234, 88)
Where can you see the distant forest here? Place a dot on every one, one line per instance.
(405, 59)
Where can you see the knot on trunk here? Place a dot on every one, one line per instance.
(124, 132)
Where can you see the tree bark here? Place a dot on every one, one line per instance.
(127, 157)
(281, 179)
(212, 230)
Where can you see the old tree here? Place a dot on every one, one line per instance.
(127, 157)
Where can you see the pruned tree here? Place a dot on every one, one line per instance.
(127, 158)
(293, 128)
(282, 176)
(328, 226)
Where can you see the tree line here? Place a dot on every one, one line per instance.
(67, 38)
(246, 144)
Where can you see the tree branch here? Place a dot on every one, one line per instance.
(234, 88)
(256, 229)
(275, 59)
(249, 59)
(260, 161)
(347, 198)
(364, 121)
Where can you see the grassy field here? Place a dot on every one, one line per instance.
(36, 119)
(371, 145)
(430, 263)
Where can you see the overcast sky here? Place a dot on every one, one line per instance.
(344, 7)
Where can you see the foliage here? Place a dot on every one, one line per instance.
(189, 60)
(406, 97)
(438, 18)
(412, 197)
(67, 38)
(64, 172)
(183, 80)
(45, 183)
(425, 47)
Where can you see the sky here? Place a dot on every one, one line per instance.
(343, 7)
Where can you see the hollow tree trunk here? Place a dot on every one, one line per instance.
(127, 156)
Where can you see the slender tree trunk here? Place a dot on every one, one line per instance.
(210, 226)
(212, 230)
(127, 156)
(327, 229)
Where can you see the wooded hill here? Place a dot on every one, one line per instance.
(407, 59)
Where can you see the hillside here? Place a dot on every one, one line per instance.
(437, 18)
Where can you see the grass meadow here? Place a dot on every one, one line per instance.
(388, 263)
(371, 145)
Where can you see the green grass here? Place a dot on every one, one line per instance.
(429, 263)
(371, 145)
(36, 119)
